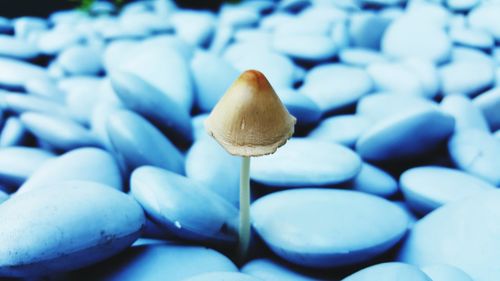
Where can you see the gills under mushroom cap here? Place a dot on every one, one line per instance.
(250, 120)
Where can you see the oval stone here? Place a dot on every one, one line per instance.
(489, 102)
(268, 269)
(342, 129)
(14, 73)
(374, 180)
(391, 271)
(13, 132)
(300, 106)
(50, 230)
(16, 48)
(309, 47)
(306, 162)
(80, 60)
(444, 272)
(18, 163)
(467, 77)
(466, 114)
(360, 226)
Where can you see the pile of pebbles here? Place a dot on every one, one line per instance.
(107, 173)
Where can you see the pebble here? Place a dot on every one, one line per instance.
(181, 206)
(360, 56)
(81, 103)
(198, 123)
(56, 40)
(475, 38)
(43, 230)
(396, 78)
(137, 142)
(80, 60)
(194, 27)
(409, 36)
(476, 152)
(360, 227)
(267, 269)
(16, 48)
(300, 106)
(15, 73)
(407, 140)
(147, 22)
(342, 129)
(13, 132)
(489, 102)
(306, 162)
(113, 53)
(3, 197)
(237, 17)
(434, 13)
(427, 73)
(389, 271)
(466, 114)
(25, 26)
(17, 163)
(20, 103)
(427, 188)
(461, 5)
(148, 101)
(473, 249)
(45, 88)
(301, 26)
(444, 272)
(233, 276)
(335, 86)
(366, 30)
(308, 47)
(373, 180)
(82, 164)
(59, 133)
(484, 17)
(466, 77)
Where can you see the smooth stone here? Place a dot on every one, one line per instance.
(212, 76)
(427, 188)
(475, 38)
(466, 77)
(222, 38)
(466, 114)
(57, 39)
(396, 78)
(148, 101)
(18, 163)
(12, 133)
(16, 48)
(335, 86)
(20, 103)
(112, 56)
(300, 26)
(198, 123)
(470, 54)
(80, 60)
(267, 269)
(300, 106)
(497, 134)
(214, 169)
(406, 209)
(379, 106)
(99, 120)
(306, 162)
(374, 180)
(159, 261)
(81, 103)
(49, 230)
(444, 272)
(148, 62)
(489, 102)
(223, 276)
(237, 17)
(366, 30)
(390, 271)
(25, 26)
(433, 12)
(340, 34)
(137, 142)
(360, 227)
(252, 35)
(44, 88)
(3, 197)
(62, 134)
(476, 152)
(307, 47)
(342, 129)
(410, 36)
(485, 17)
(427, 73)
(394, 138)
(90, 83)
(146, 22)
(194, 27)
(183, 207)
(328, 13)
(83, 164)
(473, 247)
(360, 56)
(461, 6)
(15, 73)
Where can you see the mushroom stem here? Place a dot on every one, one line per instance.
(244, 230)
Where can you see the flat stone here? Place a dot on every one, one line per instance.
(360, 227)
(476, 38)
(267, 269)
(444, 272)
(466, 77)
(80, 60)
(307, 47)
(489, 102)
(466, 114)
(300, 106)
(194, 27)
(17, 48)
(396, 78)
(360, 56)
(306, 162)
(390, 271)
(20, 103)
(14, 73)
(484, 17)
(57, 39)
(374, 180)
(13, 132)
(18, 163)
(366, 29)
(342, 129)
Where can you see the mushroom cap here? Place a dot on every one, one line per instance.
(250, 120)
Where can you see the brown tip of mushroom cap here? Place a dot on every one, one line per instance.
(250, 120)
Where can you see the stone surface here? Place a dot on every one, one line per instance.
(374, 180)
(342, 129)
(391, 271)
(18, 163)
(16, 48)
(267, 269)
(444, 272)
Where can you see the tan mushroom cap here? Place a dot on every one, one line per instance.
(250, 120)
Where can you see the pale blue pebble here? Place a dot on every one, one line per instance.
(373, 180)
(238, 50)
(461, 6)
(328, 13)
(485, 17)
(306, 162)
(308, 47)
(394, 138)
(379, 106)
(466, 77)
(476, 152)
(183, 207)
(427, 188)
(115, 51)
(475, 38)
(85, 164)
(81, 103)
(194, 27)
(463, 234)
(162, 260)
(272, 21)
(150, 102)
(340, 34)
(342, 129)
(20, 103)
(359, 226)
(87, 82)
(98, 121)
(432, 12)
(237, 17)
(221, 39)
(445, 272)
(212, 76)
(137, 142)
(396, 78)
(55, 70)
(390, 271)
(223, 276)
(253, 35)
(13, 132)
(25, 26)
(412, 218)
(460, 53)
(80, 60)
(427, 73)
(61, 134)
(335, 86)
(198, 123)
(489, 102)
(360, 56)
(57, 39)
(300, 106)
(269, 270)
(67, 17)
(215, 169)
(148, 22)
(466, 114)
(46, 88)
(366, 29)
(17, 48)
(112, 29)
(302, 26)
(15, 73)
(18, 163)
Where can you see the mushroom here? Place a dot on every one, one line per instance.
(249, 120)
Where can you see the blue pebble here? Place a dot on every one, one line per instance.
(390, 271)
(466, 114)
(300, 106)
(374, 180)
(267, 269)
(444, 272)
(489, 102)
(12, 133)
(18, 163)
(342, 129)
